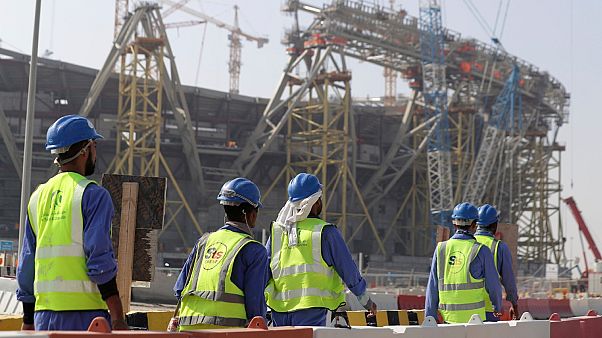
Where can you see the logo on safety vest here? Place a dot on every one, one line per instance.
(214, 255)
(56, 198)
(456, 261)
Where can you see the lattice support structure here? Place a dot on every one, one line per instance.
(147, 74)
(319, 137)
(434, 91)
(234, 62)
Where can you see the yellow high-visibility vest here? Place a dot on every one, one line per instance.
(210, 299)
(460, 295)
(492, 244)
(61, 275)
(301, 277)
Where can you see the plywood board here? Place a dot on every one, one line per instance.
(150, 215)
(509, 234)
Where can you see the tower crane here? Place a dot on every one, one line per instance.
(435, 105)
(235, 37)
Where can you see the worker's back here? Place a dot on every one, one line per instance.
(460, 294)
(55, 214)
(210, 299)
(301, 277)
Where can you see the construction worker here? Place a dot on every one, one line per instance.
(309, 261)
(67, 269)
(221, 284)
(487, 227)
(461, 271)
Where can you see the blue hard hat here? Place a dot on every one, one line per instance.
(487, 215)
(67, 131)
(465, 211)
(240, 190)
(303, 186)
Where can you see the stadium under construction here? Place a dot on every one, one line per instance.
(479, 125)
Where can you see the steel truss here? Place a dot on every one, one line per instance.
(319, 138)
(474, 76)
(143, 49)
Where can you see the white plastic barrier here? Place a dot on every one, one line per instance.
(579, 307)
(526, 327)
(595, 304)
(18, 334)
(429, 329)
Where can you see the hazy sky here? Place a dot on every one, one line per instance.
(560, 36)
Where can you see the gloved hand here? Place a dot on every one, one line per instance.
(514, 311)
(173, 325)
(368, 304)
(371, 306)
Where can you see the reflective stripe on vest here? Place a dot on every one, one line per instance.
(493, 245)
(460, 295)
(196, 303)
(61, 282)
(301, 277)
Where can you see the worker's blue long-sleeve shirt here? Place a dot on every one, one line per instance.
(478, 269)
(504, 268)
(336, 254)
(249, 273)
(97, 210)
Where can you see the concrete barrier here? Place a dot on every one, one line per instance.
(149, 320)
(10, 322)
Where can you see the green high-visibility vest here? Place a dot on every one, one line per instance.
(61, 275)
(460, 295)
(301, 277)
(210, 299)
(492, 244)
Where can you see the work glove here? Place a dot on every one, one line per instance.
(368, 304)
(173, 325)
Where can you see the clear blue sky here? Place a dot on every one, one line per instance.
(544, 33)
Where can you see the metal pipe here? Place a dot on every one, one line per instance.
(31, 95)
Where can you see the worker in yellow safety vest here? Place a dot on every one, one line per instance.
(67, 269)
(309, 261)
(487, 227)
(462, 271)
(221, 284)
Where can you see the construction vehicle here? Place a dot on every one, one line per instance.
(584, 231)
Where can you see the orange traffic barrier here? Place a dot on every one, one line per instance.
(564, 328)
(407, 302)
(591, 325)
(561, 307)
(539, 308)
(257, 329)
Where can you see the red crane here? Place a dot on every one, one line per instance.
(585, 231)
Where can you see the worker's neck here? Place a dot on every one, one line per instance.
(71, 169)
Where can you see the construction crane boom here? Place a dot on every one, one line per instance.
(174, 8)
(583, 227)
(183, 24)
(501, 119)
(260, 40)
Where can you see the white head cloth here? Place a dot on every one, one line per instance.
(293, 212)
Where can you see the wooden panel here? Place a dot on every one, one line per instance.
(150, 214)
(126, 238)
(509, 234)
